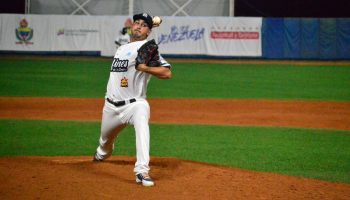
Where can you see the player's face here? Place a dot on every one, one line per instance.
(140, 30)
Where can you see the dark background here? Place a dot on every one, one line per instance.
(12, 6)
(293, 8)
(253, 8)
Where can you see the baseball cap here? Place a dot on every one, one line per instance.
(146, 17)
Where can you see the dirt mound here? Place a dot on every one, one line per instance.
(80, 178)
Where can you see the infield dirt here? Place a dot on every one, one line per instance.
(80, 178)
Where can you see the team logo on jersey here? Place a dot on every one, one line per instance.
(119, 65)
(124, 82)
(24, 34)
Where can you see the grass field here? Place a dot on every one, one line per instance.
(311, 153)
(88, 79)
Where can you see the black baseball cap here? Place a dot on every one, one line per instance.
(146, 17)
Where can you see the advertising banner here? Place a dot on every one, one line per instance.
(75, 33)
(49, 33)
(214, 36)
(24, 33)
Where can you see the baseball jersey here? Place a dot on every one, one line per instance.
(125, 82)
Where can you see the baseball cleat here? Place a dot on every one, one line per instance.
(145, 179)
(96, 159)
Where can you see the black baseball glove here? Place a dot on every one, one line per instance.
(148, 54)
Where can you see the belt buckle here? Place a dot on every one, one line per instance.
(119, 103)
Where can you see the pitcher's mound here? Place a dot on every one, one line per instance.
(80, 178)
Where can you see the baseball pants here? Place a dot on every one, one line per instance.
(115, 119)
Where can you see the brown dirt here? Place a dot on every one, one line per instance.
(307, 114)
(80, 178)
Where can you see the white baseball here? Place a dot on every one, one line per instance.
(156, 20)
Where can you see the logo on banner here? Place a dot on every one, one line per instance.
(23, 33)
(181, 33)
(60, 32)
(75, 32)
(240, 34)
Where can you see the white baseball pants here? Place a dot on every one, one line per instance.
(115, 119)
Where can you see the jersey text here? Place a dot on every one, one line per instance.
(119, 65)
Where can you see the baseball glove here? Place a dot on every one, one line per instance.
(148, 54)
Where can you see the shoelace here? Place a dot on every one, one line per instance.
(145, 175)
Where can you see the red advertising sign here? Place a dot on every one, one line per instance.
(235, 35)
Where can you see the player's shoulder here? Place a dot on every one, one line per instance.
(136, 43)
(142, 42)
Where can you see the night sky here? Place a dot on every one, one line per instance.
(254, 8)
(293, 8)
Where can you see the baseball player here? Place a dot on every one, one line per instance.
(122, 38)
(125, 99)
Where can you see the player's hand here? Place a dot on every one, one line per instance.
(142, 67)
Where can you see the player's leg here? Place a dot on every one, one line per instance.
(111, 126)
(140, 120)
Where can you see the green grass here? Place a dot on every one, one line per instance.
(43, 78)
(309, 153)
(258, 82)
(88, 79)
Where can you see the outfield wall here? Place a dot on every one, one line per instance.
(220, 37)
(306, 38)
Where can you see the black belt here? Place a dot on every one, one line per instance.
(120, 103)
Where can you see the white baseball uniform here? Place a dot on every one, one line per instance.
(127, 86)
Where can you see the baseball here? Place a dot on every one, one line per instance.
(156, 20)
